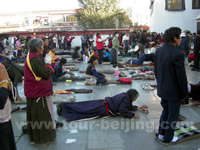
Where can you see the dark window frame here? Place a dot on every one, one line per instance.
(198, 7)
(175, 9)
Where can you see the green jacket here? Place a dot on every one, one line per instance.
(115, 43)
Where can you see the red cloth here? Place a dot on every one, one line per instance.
(50, 67)
(191, 56)
(33, 88)
(107, 109)
(100, 45)
(110, 44)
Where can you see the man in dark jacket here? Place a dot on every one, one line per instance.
(172, 83)
(143, 38)
(184, 44)
(196, 52)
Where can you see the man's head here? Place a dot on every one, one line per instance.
(116, 34)
(98, 34)
(172, 36)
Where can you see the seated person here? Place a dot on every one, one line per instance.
(76, 55)
(106, 56)
(120, 104)
(53, 57)
(91, 71)
(59, 74)
(153, 48)
(138, 61)
(94, 53)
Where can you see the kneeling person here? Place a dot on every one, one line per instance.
(61, 75)
(91, 71)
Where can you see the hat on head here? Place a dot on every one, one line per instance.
(182, 34)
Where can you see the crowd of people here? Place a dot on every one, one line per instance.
(167, 51)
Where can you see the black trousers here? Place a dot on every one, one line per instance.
(196, 59)
(100, 52)
(7, 140)
(83, 45)
(169, 117)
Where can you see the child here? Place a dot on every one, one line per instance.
(110, 106)
(106, 55)
(59, 74)
(91, 71)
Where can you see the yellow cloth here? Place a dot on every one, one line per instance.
(29, 65)
(91, 55)
(5, 84)
(53, 58)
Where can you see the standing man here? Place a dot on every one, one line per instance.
(100, 46)
(65, 41)
(172, 83)
(143, 38)
(83, 42)
(196, 52)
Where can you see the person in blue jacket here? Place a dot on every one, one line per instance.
(101, 78)
(106, 56)
(120, 104)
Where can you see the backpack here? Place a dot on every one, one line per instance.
(125, 80)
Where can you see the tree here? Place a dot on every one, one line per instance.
(101, 14)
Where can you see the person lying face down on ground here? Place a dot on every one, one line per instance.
(91, 71)
(120, 104)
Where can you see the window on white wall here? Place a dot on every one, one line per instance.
(196, 4)
(175, 5)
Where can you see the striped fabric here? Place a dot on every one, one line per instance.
(50, 107)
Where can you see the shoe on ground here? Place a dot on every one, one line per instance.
(59, 124)
(147, 87)
(59, 110)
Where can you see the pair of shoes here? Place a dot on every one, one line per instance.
(147, 87)
(59, 124)
(122, 74)
(185, 101)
